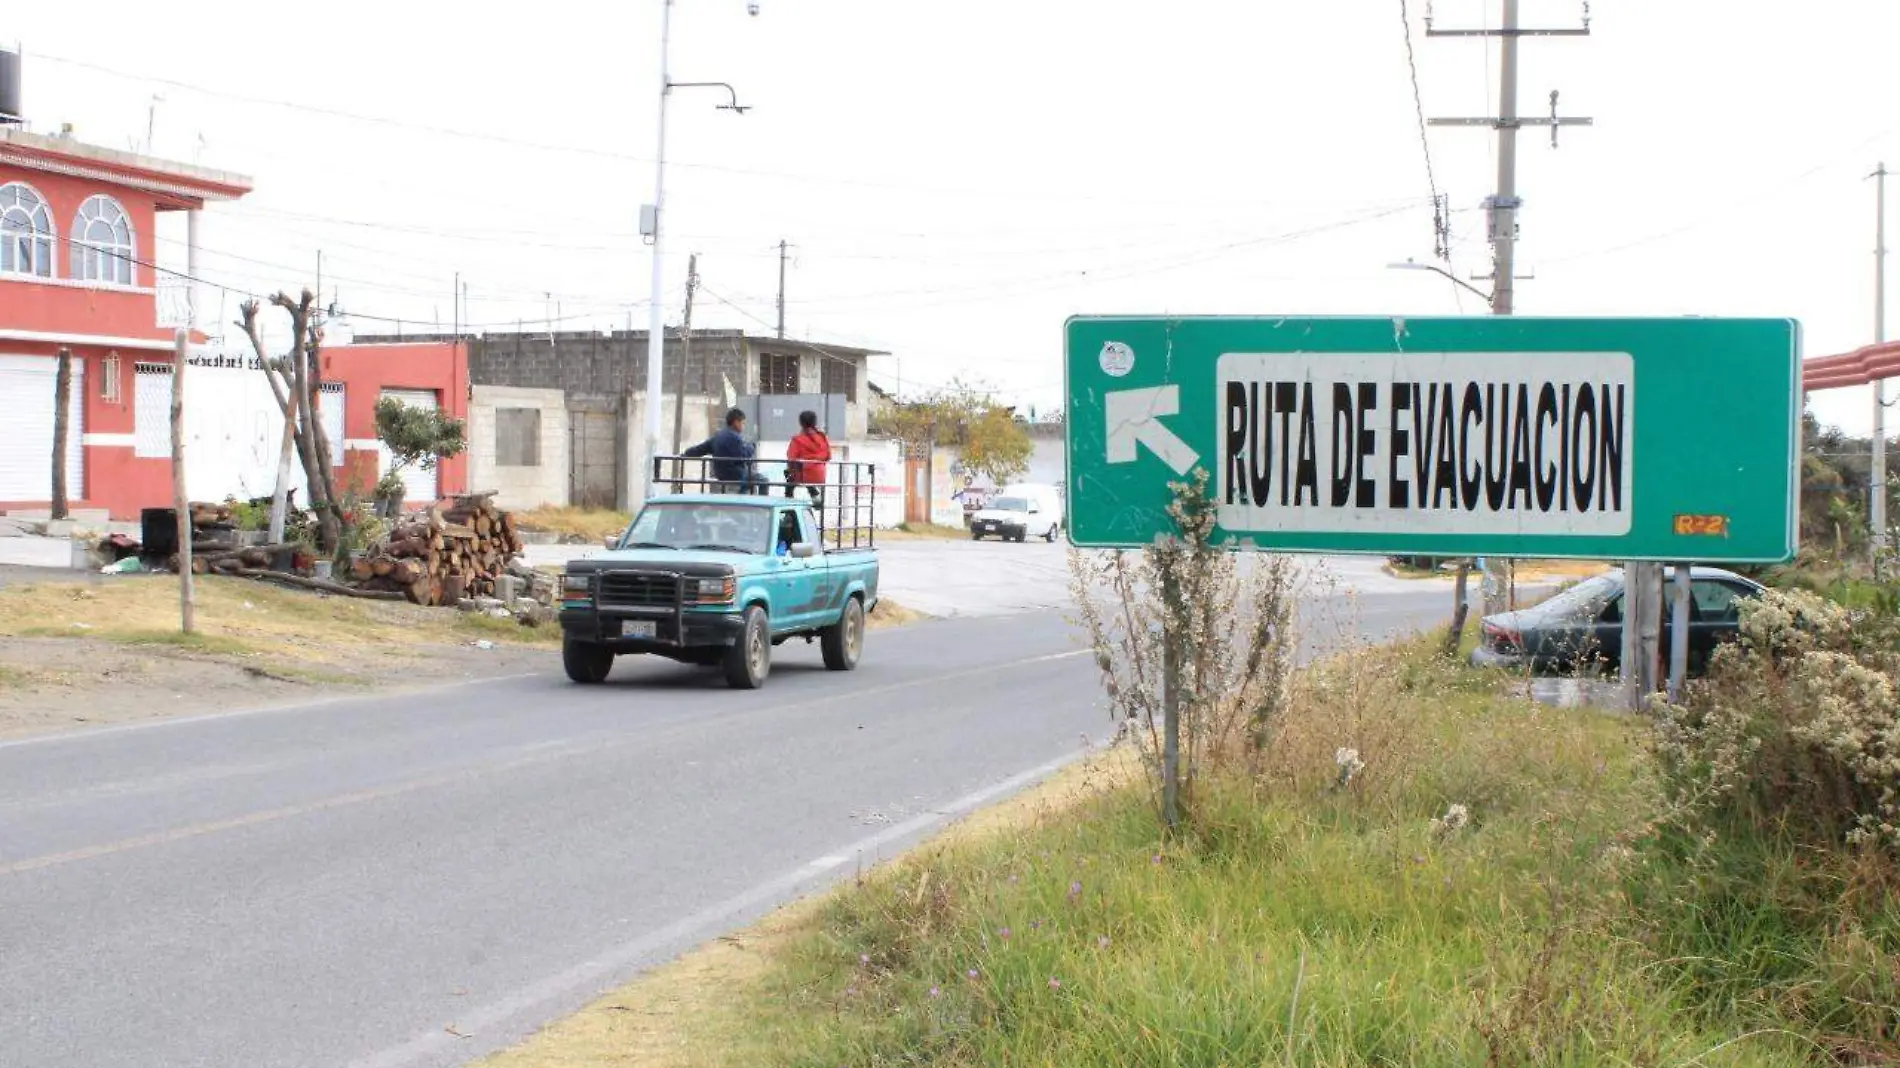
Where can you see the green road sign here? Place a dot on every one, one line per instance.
(1619, 439)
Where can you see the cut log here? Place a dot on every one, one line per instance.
(316, 584)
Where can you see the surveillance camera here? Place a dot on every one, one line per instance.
(752, 9)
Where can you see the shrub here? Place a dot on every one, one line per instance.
(1795, 732)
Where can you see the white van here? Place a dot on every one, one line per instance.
(1020, 511)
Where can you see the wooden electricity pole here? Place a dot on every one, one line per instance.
(62, 428)
(181, 343)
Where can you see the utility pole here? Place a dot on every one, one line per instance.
(1877, 473)
(1502, 206)
(686, 352)
(781, 286)
(653, 226)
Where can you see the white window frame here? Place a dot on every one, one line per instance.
(27, 234)
(110, 261)
(332, 419)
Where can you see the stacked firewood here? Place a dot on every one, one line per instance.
(444, 555)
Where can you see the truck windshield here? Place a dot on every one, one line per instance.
(738, 528)
(1010, 504)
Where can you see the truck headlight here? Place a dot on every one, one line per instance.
(573, 585)
(711, 590)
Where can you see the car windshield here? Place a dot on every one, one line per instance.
(1010, 504)
(1584, 598)
(739, 528)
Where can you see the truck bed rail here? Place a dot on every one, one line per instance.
(845, 503)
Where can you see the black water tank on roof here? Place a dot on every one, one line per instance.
(12, 109)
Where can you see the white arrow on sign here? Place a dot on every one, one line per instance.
(1134, 418)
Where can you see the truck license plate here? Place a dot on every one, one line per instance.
(642, 628)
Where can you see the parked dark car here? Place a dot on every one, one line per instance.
(1583, 625)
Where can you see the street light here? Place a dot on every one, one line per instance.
(654, 226)
(1414, 265)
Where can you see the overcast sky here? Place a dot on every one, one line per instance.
(959, 177)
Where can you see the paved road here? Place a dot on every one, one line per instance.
(343, 884)
(954, 578)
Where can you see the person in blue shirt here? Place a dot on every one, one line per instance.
(731, 455)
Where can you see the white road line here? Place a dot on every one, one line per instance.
(537, 753)
(589, 977)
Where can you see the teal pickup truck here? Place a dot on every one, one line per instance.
(717, 580)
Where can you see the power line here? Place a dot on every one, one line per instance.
(491, 137)
(1441, 227)
(1075, 276)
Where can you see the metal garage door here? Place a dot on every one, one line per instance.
(419, 486)
(27, 384)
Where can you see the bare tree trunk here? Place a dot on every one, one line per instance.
(276, 373)
(1460, 609)
(322, 484)
(280, 496)
(324, 450)
(62, 403)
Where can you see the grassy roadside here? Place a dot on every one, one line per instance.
(1301, 923)
(237, 617)
(589, 525)
(1527, 570)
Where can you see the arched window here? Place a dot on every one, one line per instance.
(103, 243)
(26, 231)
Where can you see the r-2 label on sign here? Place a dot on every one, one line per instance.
(1426, 443)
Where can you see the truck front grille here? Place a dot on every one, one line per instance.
(633, 589)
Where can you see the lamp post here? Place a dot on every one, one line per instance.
(1414, 265)
(654, 228)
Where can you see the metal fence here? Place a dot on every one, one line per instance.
(845, 503)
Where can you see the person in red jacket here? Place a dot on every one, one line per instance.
(805, 457)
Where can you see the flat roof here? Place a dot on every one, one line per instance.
(184, 182)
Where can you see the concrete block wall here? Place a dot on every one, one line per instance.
(520, 487)
(590, 362)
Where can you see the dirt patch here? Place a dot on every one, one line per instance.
(660, 1020)
(889, 613)
(77, 652)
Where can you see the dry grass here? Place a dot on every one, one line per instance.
(923, 532)
(590, 524)
(891, 614)
(237, 617)
(1527, 571)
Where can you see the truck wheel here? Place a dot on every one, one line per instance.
(749, 659)
(976, 535)
(1050, 534)
(843, 641)
(586, 662)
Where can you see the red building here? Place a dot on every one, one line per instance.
(77, 230)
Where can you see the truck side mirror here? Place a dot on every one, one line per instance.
(612, 540)
(804, 550)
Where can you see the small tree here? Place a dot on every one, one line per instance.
(996, 445)
(1195, 654)
(988, 435)
(416, 437)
